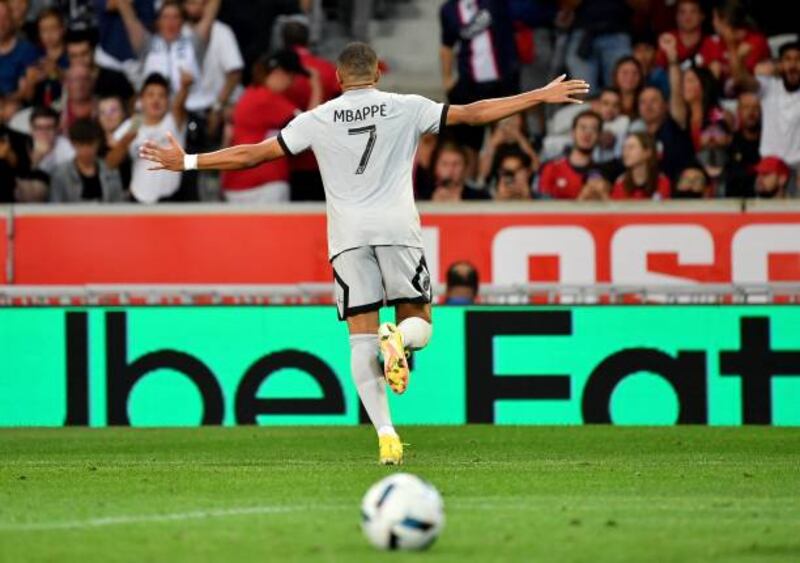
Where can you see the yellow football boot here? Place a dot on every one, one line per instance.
(391, 450)
(395, 364)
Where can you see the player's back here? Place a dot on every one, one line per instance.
(365, 142)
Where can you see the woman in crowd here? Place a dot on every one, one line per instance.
(629, 81)
(694, 97)
(641, 179)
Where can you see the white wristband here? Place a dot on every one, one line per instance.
(190, 162)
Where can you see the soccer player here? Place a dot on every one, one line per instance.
(365, 142)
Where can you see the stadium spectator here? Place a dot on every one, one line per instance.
(450, 176)
(305, 179)
(628, 80)
(157, 121)
(480, 33)
(115, 50)
(79, 101)
(462, 284)
(642, 179)
(16, 54)
(599, 39)
(743, 152)
(86, 177)
(645, 52)
(693, 183)
(780, 100)
(674, 144)
(41, 84)
(688, 36)
(694, 101)
(565, 177)
(261, 112)
(167, 52)
(107, 82)
(220, 73)
(296, 37)
(596, 188)
(514, 175)
(111, 115)
(508, 133)
(735, 40)
(615, 125)
(49, 149)
(772, 181)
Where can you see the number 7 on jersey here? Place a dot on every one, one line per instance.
(373, 135)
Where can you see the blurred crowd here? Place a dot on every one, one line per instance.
(691, 98)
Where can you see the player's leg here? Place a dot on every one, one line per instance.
(359, 296)
(414, 323)
(407, 283)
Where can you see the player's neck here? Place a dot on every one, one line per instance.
(358, 86)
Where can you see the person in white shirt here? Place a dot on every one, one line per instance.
(780, 102)
(365, 142)
(169, 52)
(157, 122)
(220, 65)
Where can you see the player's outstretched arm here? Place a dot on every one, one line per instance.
(559, 91)
(172, 156)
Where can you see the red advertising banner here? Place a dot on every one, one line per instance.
(507, 248)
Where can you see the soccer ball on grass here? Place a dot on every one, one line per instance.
(402, 511)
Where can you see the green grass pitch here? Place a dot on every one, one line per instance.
(292, 494)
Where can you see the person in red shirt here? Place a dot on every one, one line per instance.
(689, 34)
(734, 39)
(305, 178)
(641, 179)
(565, 177)
(262, 111)
(296, 38)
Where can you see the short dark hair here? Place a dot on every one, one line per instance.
(85, 132)
(295, 34)
(590, 114)
(610, 90)
(357, 59)
(695, 165)
(463, 274)
(656, 89)
(40, 112)
(75, 36)
(786, 47)
(155, 79)
(513, 151)
(734, 13)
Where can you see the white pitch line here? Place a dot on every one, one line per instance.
(171, 517)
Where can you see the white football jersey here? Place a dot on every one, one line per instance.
(365, 142)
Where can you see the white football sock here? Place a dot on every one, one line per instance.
(416, 332)
(368, 377)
